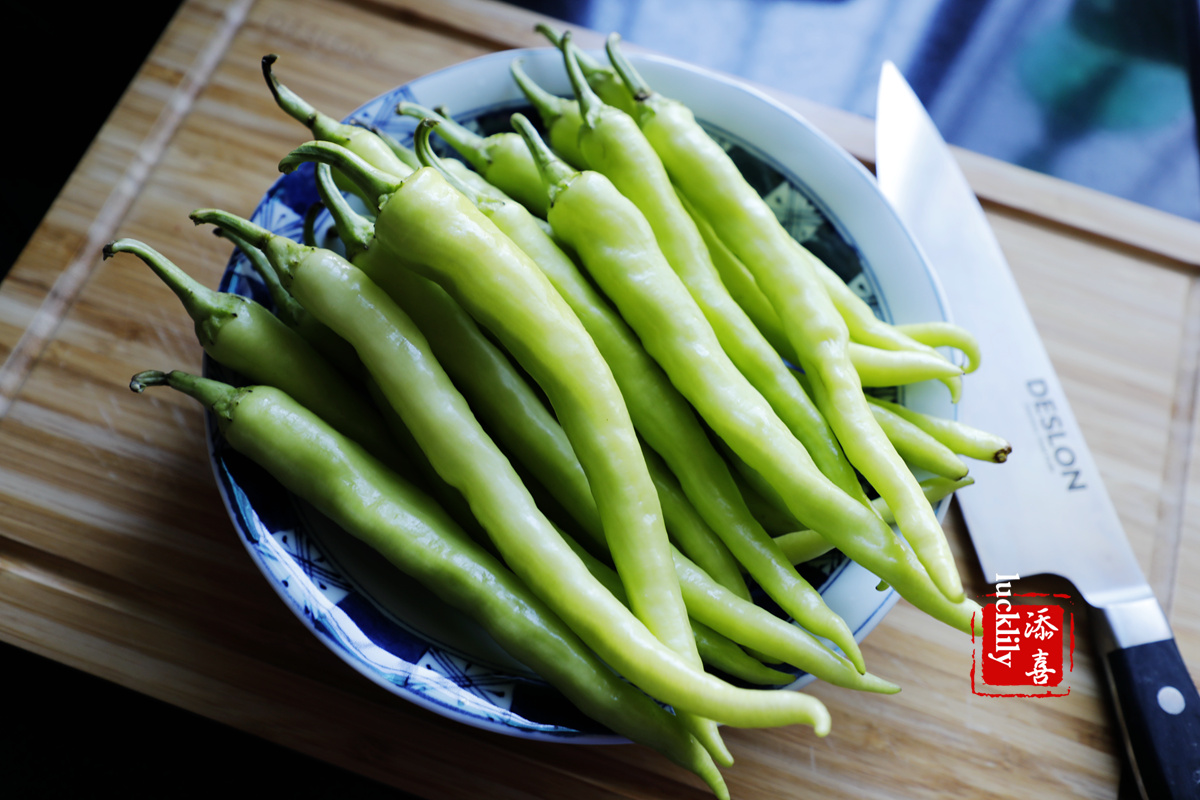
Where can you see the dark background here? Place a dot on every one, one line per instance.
(64, 732)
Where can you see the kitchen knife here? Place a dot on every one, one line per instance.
(1045, 510)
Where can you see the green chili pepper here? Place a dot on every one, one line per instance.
(944, 334)
(604, 81)
(789, 277)
(502, 158)
(879, 368)
(614, 241)
(918, 448)
(371, 503)
(716, 650)
(499, 394)
(805, 545)
(959, 438)
(359, 140)
(334, 349)
(613, 145)
(661, 416)
(435, 412)
(244, 336)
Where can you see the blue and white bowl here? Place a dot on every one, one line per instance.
(400, 635)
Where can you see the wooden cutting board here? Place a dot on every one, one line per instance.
(116, 555)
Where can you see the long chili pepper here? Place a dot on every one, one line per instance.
(918, 448)
(661, 416)
(500, 395)
(960, 438)
(334, 349)
(371, 503)
(613, 145)
(716, 649)
(820, 665)
(359, 140)
(432, 227)
(875, 366)
(944, 334)
(502, 158)
(712, 607)
(611, 237)
(244, 336)
(861, 323)
(704, 172)
(604, 81)
(805, 545)
(436, 413)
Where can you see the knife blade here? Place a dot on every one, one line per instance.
(1045, 510)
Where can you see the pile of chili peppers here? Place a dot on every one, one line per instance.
(607, 311)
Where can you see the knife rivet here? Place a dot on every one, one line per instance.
(1171, 700)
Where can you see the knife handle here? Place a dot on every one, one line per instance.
(1159, 709)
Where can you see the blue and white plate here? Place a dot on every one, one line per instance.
(400, 635)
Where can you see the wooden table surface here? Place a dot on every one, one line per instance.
(116, 555)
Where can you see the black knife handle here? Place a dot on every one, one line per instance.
(1160, 712)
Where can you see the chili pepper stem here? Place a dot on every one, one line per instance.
(286, 307)
(556, 173)
(322, 125)
(550, 107)
(215, 396)
(373, 182)
(589, 103)
(403, 153)
(586, 62)
(353, 229)
(632, 79)
(472, 146)
(601, 77)
(423, 148)
(282, 252)
(209, 309)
